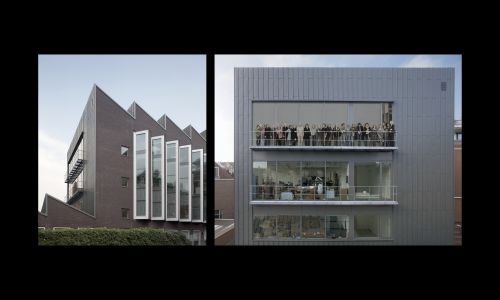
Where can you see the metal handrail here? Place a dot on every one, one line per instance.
(272, 192)
(335, 138)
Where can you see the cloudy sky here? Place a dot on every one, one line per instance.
(224, 81)
(171, 84)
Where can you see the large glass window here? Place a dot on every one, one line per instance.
(337, 180)
(313, 183)
(313, 227)
(372, 226)
(367, 113)
(372, 181)
(337, 227)
(184, 182)
(264, 179)
(305, 227)
(204, 210)
(272, 120)
(196, 185)
(141, 175)
(284, 180)
(264, 227)
(157, 161)
(288, 227)
(288, 180)
(172, 176)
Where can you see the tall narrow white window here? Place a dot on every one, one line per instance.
(197, 185)
(185, 183)
(157, 178)
(172, 181)
(141, 175)
(204, 172)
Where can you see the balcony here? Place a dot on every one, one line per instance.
(318, 195)
(76, 191)
(75, 167)
(327, 140)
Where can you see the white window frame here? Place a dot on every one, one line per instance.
(200, 220)
(177, 196)
(136, 217)
(204, 217)
(162, 143)
(189, 183)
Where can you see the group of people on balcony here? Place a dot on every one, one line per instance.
(382, 135)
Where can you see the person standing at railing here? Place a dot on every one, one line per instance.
(307, 135)
(380, 135)
(294, 135)
(257, 134)
(313, 135)
(300, 135)
(365, 134)
(263, 134)
(279, 133)
(342, 134)
(373, 135)
(285, 127)
(288, 136)
(357, 135)
(392, 133)
(336, 135)
(328, 136)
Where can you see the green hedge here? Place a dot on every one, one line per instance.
(110, 237)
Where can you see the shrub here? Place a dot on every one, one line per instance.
(111, 237)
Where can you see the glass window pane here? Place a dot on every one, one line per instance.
(370, 113)
(335, 113)
(157, 184)
(264, 227)
(264, 179)
(337, 227)
(204, 186)
(372, 226)
(124, 151)
(184, 169)
(313, 181)
(313, 227)
(288, 227)
(337, 185)
(288, 181)
(140, 157)
(172, 180)
(196, 185)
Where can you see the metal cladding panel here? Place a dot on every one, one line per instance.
(422, 166)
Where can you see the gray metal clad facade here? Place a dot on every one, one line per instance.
(422, 167)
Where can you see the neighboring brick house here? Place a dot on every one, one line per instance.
(224, 203)
(125, 170)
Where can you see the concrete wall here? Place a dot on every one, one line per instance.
(422, 166)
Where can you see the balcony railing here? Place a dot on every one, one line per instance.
(75, 167)
(326, 139)
(320, 193)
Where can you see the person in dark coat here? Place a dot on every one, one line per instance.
(358, 134)
(392, 134)
(294, 135)
(307, 135)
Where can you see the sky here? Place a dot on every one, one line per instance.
(158, 83)
(224, 81)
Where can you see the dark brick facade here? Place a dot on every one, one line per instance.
(114, 127)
